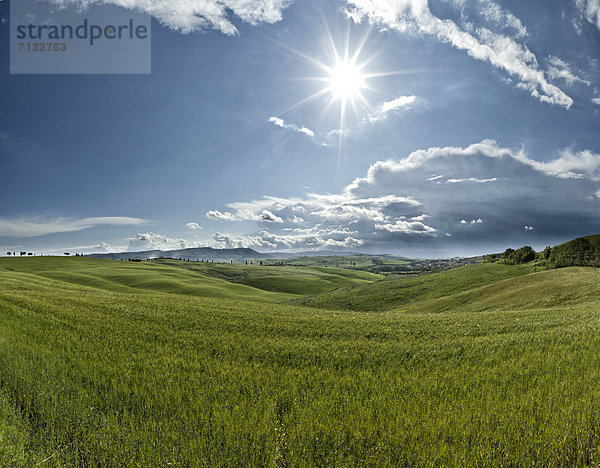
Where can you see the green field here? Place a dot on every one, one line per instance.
(163, 363)
(233, 281)
(395, 292)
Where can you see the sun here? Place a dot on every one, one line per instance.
(346, 81)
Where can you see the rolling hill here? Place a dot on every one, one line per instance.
(397, 292)
(233, 281)
(167, 362)
(583, 251)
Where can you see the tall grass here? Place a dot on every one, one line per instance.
(108, 379)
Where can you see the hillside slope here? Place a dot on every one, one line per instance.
(259, 283)
(395, 293)
(565, 287)
(95, 378)
(583, 251)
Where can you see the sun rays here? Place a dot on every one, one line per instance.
(345, 80)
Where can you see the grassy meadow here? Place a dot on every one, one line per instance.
(164, 363)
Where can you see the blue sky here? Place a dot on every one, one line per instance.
(473, 126)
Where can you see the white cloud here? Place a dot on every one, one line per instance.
(407, 227)
(529, 228)
(503, 18)
(215, 214)
(387, 107)
(559, 69)
(397, 103)
(473, 221)
(245, 215)
(193, 226)
(472, 179)
(154, 241)
(265, 240)
(40, 226)
(331, 208)
(591, 10)
(596, 100)
(278, 122)
(396, 206)
(567, 165)
(481, 43)
(199, 15)
(266, 215)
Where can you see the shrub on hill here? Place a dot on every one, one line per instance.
(579, 252)
(525, 254)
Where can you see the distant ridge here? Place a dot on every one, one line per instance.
(235, 254)
(210, 254)
(198, 253)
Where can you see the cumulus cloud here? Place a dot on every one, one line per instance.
(154, 241)
(407, 227)
(41, 226)
(268, 241)
(199, 15)
(529, 228)
(216, 214)
(409, 206)
(323, 207)
(568, 165)
(596, 100)
(473, 221)
(193, 226)
(486, 42)
(245, 215)
(278, 122)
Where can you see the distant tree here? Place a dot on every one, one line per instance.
(29, 253)
(9, 253)
(67, 253)
(507, 253)
(490, 258)
(515, 257)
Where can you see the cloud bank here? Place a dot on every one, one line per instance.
(445, 198)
